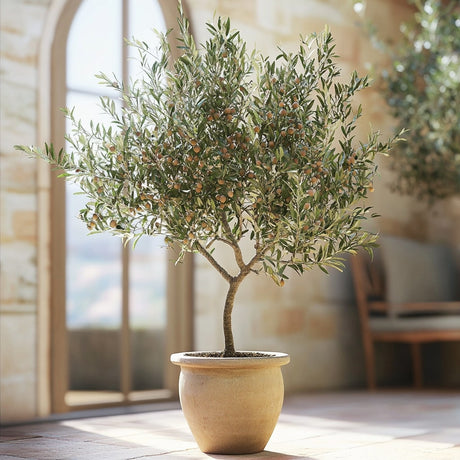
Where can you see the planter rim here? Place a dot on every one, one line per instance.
(272, 359)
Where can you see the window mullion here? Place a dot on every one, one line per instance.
(125, 350)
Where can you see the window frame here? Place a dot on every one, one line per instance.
(52, 352)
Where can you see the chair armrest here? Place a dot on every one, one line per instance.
(415, 307)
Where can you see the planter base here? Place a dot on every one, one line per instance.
(231, 404)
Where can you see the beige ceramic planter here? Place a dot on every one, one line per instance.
(231, 404)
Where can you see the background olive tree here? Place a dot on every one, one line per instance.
(422, 89)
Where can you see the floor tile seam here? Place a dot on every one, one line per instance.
(163, 434)
(133, 444)
(15, 456)
(135, 430)
(370, 443)
(162, 453)
(100, 450)
(336, 432)
(51, 439)
(119, 434)
(19, 438)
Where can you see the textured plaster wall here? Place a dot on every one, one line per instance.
(313, 317)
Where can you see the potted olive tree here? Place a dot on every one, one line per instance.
(223, 147)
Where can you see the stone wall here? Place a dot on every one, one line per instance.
(313, 317)
(22, 23)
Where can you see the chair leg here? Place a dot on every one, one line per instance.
(370, 364)
(417, 364)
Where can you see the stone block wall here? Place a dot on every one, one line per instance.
(22, 23)
(314, 317)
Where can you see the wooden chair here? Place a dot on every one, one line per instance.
(409, 322)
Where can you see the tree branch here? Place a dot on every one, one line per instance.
(223, 240)
(234, 243)
(257, 258)
(213, 262)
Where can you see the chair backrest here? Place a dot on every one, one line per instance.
(394, 282)
(368, 280)
(417, 271)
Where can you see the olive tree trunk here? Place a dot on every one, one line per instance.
(229, 349)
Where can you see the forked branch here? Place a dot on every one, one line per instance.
(233, 242)
(207, 255)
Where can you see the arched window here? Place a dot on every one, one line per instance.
(114, 311)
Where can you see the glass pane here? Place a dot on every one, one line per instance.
(147, 297)
(145, 16)
(93, 262)
(93, 301)
(87, 107)
(93, 271)
(93, 291)
(94, 44)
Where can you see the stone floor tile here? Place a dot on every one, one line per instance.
(406, 449)
(449, 454)
(289, 428)
(162, 443)
(449, 436)
(50, 449)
